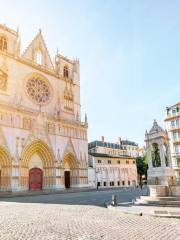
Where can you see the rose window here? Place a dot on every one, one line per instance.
(38, 90)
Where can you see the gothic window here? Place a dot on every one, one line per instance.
(69, 99)
(38, 90)
(3, 44)
(38, 57)
(66, 71)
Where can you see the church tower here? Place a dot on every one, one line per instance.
(41, 131)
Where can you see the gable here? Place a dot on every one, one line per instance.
(70, 149)
(36, 48)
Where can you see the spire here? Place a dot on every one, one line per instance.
(86, 120)
(17, 30)
(155, 123)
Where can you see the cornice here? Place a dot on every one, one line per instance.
(172, 118)
(4, 27)
(66, 59)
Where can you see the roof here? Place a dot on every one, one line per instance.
(111, 145)
(127, 142)
(4, 27)
(104, 144)
(177, 104)
(105, 155)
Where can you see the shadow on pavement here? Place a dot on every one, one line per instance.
(94, 198)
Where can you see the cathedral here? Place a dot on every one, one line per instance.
(43, 142)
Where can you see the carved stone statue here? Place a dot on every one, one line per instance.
(156, 160)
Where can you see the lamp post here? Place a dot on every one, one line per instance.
(97, 171)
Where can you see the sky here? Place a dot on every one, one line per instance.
(129, 53)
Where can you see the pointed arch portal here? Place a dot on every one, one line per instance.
(5, 170)
(37, 168)
(69, 170)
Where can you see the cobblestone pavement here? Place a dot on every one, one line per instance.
(21, 221)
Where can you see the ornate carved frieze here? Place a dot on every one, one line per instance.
(41, 125)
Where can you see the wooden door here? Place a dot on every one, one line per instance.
(67, 179)
(35, 179)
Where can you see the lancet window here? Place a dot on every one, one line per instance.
(3, 44)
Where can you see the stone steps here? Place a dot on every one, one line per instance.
(159, 201)
(148, 198)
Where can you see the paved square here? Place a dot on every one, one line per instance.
(48, 217)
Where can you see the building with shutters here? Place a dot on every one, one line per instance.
(173, 127)
(112, 164)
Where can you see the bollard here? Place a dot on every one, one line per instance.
(114, 200)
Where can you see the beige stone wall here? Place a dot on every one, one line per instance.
(31, 127)
(120, 171)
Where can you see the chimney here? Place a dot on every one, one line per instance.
(119, 140)
(102, 138)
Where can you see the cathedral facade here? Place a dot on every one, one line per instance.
(43, 142)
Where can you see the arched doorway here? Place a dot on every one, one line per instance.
(69, 171)
(5, 170)
(37, 167)
(35, 179)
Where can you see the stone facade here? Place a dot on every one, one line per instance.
(43, 142)
(112, 171)
(112, 164)
(173, 127)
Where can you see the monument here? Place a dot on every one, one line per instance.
(161, 177)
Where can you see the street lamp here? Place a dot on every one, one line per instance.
(97, 171)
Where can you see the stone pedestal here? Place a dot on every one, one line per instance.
(175, 191)
(160, 181)
(163, 176)
(158, 190)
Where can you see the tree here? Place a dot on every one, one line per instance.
(142, 166)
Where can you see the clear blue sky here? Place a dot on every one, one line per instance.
(129, 53)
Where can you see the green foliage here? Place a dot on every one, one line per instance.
(142, 166)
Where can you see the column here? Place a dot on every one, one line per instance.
(149, 155)
(162, 155)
